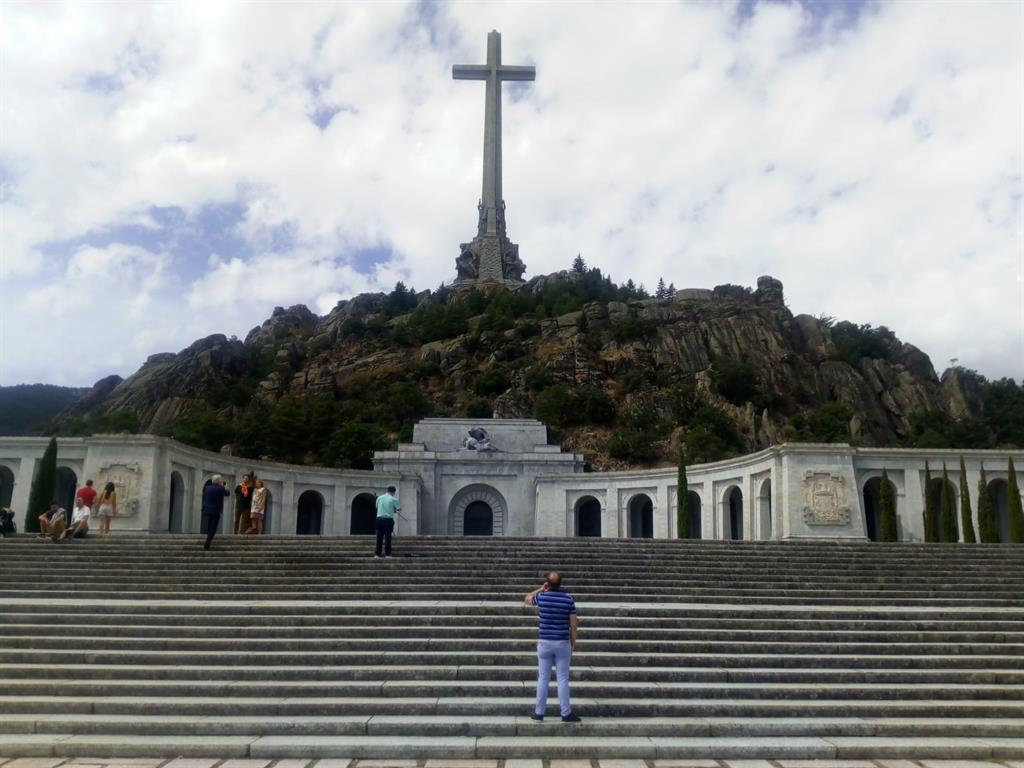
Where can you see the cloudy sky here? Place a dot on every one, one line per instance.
(172, 170)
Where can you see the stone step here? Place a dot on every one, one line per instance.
(526, 673)
(461, 706)
(508, 725)
(527, 632)
(535, 747)
(387, 688)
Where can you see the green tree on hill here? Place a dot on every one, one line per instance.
(888, 529)
(988, 530)
(1013, 506)
(966, 518)
(43, 487)
(682, 490)
(947, 519)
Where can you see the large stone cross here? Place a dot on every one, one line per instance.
(492, 248)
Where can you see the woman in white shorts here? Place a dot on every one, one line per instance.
(107, 507)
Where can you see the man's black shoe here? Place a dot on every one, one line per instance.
(572, 717)
(538, 718)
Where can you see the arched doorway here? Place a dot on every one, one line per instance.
(588, 517)
(204, 520)
(733, 508)
(6, 486)
(466, 518)
(309, 519)
(954, 505)
(641, 517)
(64, 489)
(764, 510)
(364, 515)
(693, 505)
(175, 521)
(999, 496)
(479, 519)
(873, 508)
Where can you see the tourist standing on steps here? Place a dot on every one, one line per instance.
(87, 494)
(387, 507)
(213, 505)
(555, 645)
(108, 508)
(258, 509)
(243, 504)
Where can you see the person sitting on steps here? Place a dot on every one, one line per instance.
(53, 522)
(79, 521)
(7, 525)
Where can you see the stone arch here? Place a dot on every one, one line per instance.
(65, 487)
(309, 516)
(732, 513)
(6, 486)
(999, 496)
(470, 495)
(641, 517)
(176, 504)
(764, 509)
(954, 496)
(872, 493)
(363, 519)
(587, 517)
(694, 507)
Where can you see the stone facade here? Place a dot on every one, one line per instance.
(501, 477)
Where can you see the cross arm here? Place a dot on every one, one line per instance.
(517, 73)
(470, 72)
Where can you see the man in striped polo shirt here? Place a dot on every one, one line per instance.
(556, 643)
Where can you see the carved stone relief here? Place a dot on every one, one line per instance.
(825, 499)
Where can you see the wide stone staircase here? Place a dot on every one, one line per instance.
(307, 646)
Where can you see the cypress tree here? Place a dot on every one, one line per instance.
(43, 487)
(966, 518)
(682, 499)
(988, 530)
(1013, 506)
(947, 520)
(888, 530)
(929, 506)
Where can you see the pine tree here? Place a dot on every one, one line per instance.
(947, 519)
(929, 506)
(670, 292)
(661, 292)
(988, 530)
(1014, 510)
(888, 529)
(966, 518)
(579, 266)
(43, 487)
(682, 500)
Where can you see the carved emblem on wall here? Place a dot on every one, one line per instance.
(825, 497)
(127, 480)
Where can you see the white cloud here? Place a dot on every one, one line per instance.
(875, 169)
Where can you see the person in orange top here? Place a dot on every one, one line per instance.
(243, 504)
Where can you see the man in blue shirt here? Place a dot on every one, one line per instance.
(387, 507)
(556, 643)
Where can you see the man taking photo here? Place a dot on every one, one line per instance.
(557, 641)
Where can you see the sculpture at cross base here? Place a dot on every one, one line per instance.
(491, 256)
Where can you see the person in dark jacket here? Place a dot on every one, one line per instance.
(7, 526)
(213, 506)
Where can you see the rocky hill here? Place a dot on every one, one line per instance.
(26, 408)
(625, 378)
